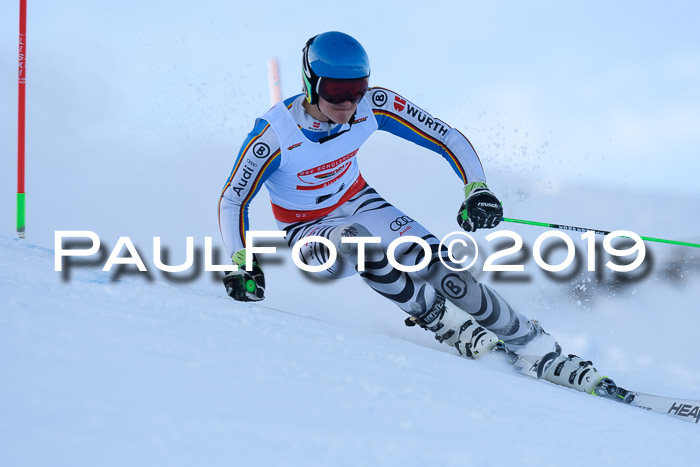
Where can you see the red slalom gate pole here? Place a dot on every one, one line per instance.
(20, 117)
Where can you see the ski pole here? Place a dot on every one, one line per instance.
(599, 232)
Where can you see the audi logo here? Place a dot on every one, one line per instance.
(399, 222)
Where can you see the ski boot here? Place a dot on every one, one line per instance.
(572, 372)
(456, 328)
(536, 342)
(540, 357)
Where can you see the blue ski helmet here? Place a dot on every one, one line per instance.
(332, 55)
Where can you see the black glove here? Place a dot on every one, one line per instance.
(242, 285)
(481, 209)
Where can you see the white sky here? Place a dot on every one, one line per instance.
(590, 92)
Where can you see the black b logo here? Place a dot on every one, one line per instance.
(454, 286)
(261, 150)
(379, 98)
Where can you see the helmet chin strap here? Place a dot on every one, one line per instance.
(330, 137)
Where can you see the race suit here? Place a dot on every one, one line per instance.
(311, 172)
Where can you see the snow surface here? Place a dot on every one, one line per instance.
(134, 115)
(130, 373)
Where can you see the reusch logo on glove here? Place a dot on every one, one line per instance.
(488, 205)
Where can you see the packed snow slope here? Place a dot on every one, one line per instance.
(136, 134)
(96, 372)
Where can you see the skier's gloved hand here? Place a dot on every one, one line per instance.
(481, 209)
(242, 285)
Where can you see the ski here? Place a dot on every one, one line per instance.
(682, 409)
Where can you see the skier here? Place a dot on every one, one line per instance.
(304, 151)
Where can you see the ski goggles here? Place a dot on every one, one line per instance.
(337, 91)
